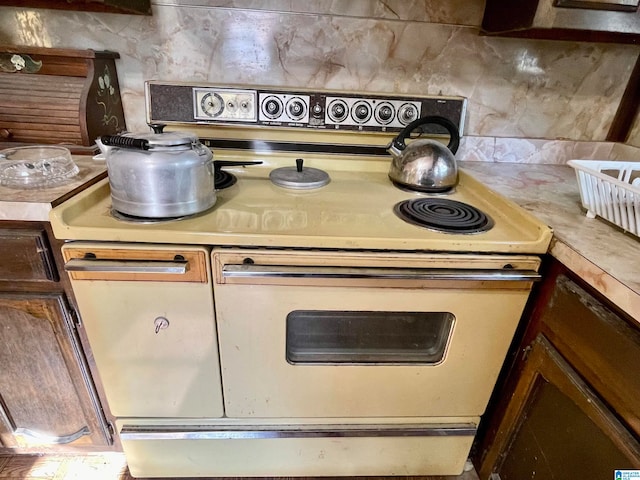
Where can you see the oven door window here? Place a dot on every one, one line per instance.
(377, 337)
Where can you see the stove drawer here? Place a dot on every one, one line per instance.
(153, 339)
(156, 450)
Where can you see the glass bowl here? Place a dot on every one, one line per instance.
(36, 167)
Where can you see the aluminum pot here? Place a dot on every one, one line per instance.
(425, 165)
(159, 175)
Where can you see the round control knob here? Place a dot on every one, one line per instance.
(316, 110)
(407, 113)
(384, 113)
(338, 111)
(272, 107)
(212, 104)
(245, 106)
(296, 108)
(361, 112)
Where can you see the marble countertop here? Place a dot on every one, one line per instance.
(34, 204)
(601, 253)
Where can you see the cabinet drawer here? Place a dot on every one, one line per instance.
(135, 264)
(26, 256)
(603, 347)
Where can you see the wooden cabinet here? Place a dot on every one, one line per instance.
(569, 406)
(58, 96)
(48, 401)
(140, 7)
(615, 21)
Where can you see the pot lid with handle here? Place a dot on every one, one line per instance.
(299, 177)
(155, 140)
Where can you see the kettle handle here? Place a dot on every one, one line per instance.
(454, 141)
(126, 142)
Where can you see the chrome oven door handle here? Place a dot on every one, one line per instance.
(210, 432)
(126, 266)
(441, 274)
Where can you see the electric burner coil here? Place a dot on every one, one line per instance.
(444, 215)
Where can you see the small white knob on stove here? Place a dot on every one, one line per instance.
(161, 323)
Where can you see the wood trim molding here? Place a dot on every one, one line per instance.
(628, 108)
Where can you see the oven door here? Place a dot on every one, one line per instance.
(310, 334)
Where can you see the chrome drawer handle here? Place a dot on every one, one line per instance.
(126, 266)
(33, 436)
(276, 271)
(211, 432)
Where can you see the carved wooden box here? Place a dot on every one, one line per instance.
(58, 96)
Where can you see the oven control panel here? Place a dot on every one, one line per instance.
(289, 108)
(224, 105)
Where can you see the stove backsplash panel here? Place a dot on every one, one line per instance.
(252, 107)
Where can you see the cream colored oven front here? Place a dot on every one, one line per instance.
(148, 314)
(306, 334)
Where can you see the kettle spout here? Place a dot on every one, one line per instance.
(104, 149)
(395, 148)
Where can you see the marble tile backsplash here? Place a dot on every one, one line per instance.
(528, 101)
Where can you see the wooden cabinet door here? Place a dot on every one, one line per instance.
(44, 402)
(27, 256)
(557, 427)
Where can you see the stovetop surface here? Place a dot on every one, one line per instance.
(354, 211)
(342, 133)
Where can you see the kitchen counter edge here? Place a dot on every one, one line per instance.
(600, 253)
(36, 203)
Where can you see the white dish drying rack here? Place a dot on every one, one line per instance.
(610, 190)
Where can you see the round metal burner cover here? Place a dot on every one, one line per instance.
(124, 217)
(299, 177)
(223, 179)
(443, 215)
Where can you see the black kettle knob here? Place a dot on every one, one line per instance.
(157, 127)
(299, 162)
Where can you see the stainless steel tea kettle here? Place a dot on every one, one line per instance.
(158, 174)
(425, 165)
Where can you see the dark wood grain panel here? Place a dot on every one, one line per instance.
(28, 121)
(521, 20)
(556, 425)
(63, 126)
(26, 256)
(19, 81)
(139, 7)
(40, 104)
(77, 88)
(589, 351)
(56, 367)
(45, 136)
(37, 392)
(601, 345)
(565, 431)
(628, 109)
